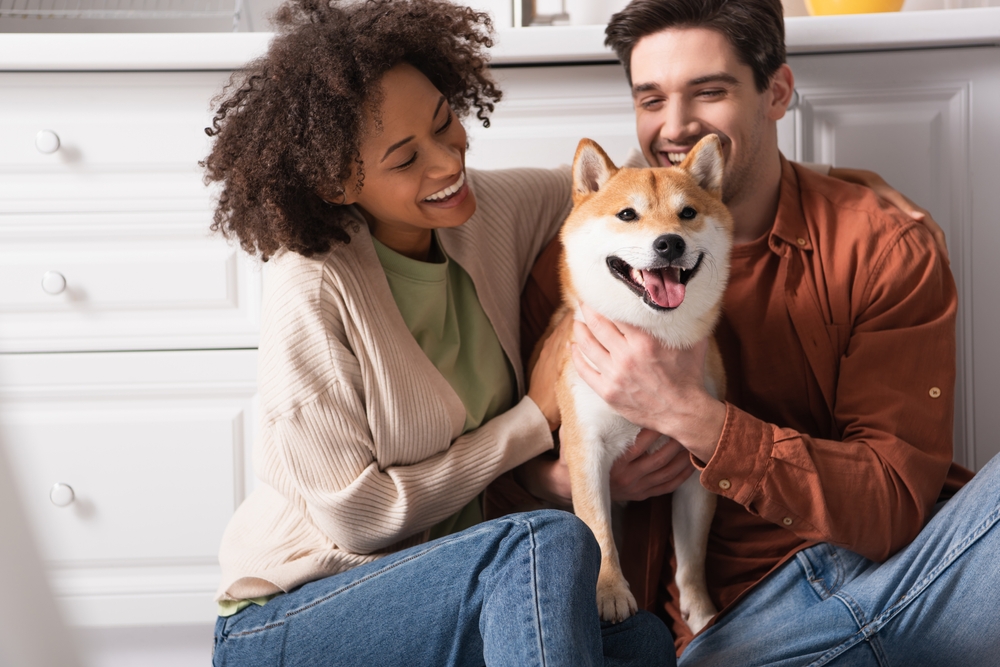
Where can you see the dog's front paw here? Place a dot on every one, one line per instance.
(615, 602)
(697, 612)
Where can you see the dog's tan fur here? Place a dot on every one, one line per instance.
(592, 434)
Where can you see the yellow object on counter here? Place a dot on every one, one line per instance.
(825, 7)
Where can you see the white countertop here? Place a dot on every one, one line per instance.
(186, 51)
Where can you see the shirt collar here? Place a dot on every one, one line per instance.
(790, 222)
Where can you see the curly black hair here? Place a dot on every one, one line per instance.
(288, 125)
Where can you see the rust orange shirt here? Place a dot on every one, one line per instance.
(838, 339)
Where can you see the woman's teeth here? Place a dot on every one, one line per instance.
(448, 191)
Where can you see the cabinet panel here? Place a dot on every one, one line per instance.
(152, 452)
(545, 111)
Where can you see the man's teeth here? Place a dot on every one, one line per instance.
(676, 158)
(448, 191)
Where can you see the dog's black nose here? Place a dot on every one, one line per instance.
(669, 246)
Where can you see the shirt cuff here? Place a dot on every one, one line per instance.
(741, 457)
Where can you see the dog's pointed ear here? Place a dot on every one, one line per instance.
(705, 163)
(591, 168)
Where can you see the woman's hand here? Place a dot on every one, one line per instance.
(635, 475)
(545, 373)
(638, 474)
(887, 193)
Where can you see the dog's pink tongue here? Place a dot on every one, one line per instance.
(662, 289)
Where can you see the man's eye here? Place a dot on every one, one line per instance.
(687, 213)
(650, 104)
(627, 215)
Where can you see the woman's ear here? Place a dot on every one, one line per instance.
(335, 195)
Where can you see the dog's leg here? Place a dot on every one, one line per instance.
(589, 463)
(693, 509)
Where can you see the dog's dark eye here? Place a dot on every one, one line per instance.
(687, 213)
(627, 214)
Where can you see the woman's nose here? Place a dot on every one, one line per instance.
(447, 159)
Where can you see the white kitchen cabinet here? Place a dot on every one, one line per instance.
(127, 340)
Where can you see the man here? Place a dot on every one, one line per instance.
(833, 449)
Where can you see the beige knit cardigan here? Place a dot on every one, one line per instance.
(360, 447)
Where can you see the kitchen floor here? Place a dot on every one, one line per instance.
(176, 646)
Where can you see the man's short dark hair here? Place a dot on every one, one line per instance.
(755, 28)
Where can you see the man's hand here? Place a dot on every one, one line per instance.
(636, 475)
(887, 193)
(651, 385)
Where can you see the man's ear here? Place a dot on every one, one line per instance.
(705, 164)
(781, 90)
(591, 168)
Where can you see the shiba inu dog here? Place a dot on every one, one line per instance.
(647, 247)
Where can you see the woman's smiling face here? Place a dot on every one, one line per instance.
(413, 156)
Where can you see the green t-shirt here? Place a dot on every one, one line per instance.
(441, 309)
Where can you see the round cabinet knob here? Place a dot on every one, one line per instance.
(53, 282)
(47, 141)
(61, 494)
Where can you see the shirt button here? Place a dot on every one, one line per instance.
(724, 484)
(800, 241)
(935, 392)
(787, 521)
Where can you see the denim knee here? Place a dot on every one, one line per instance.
(565, 535)
(642, 639)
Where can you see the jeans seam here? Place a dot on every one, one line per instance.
(815, 581)
(862, 634)
(244, 633)
(534, 589)
(882, 619)
(360, 581)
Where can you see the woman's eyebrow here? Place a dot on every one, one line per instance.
(410, 138)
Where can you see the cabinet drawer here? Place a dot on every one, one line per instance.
(104, 141)
(152, 445)
(126, 282)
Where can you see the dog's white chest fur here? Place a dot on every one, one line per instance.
(598, 421)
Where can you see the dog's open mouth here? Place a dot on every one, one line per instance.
(661, 288)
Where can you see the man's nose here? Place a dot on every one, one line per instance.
(679, 125)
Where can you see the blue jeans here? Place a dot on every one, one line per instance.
(936, 603)
(518, 591)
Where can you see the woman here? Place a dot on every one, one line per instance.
(390, 379)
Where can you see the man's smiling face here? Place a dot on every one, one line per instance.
(689, 82)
